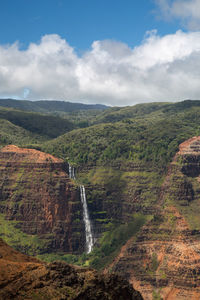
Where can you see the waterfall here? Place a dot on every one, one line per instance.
(86, 219)
(71, 172)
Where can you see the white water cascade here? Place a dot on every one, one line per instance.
(86, 219)
(71, 172)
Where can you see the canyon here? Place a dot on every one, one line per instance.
(42, 211)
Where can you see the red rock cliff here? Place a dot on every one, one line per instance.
(35, 191)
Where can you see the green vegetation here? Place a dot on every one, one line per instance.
(181, 194)
(145, 133)
(81, 115)
(155, 262)
(11, 234)
(43, 125)
(156, 295)
(108, 246)
(151, 139)
(112, 241)
(49, 106)
(13, 134)
(68, 258)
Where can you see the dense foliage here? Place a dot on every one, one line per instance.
(44, 125)
(152, 140)
(13, 134)
(107, 248)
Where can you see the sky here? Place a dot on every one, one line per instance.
(118, 52)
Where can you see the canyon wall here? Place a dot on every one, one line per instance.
(163, 262)
(118, 191)
(38, 199)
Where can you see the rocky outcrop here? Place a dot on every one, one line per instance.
(163, 262)
(23, 277)
(38, 198)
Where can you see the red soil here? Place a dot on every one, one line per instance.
(30, 155)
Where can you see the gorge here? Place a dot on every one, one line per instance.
(130, 205)
(165, 248)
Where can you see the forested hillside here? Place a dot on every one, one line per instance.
(147, 133)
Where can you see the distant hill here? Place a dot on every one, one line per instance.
(49, 106)
(11, 133)
(145, 110)
(147, 133)
(44, 125)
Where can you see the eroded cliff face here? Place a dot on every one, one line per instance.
(164, 260)
(39, 200)
(23, 277)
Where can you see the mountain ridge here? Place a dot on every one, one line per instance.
(49, 105)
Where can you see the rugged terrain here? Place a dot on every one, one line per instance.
(40, 208)
(164, 260)
(23, 277)
(128, 160)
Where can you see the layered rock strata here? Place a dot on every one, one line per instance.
(38, 197)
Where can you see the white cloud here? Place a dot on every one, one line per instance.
(188, 11)
(160, 69)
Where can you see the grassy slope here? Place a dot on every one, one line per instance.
(109, 245)
(11, 234)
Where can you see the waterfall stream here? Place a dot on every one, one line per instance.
(71, 172)
(88, 228)
(86, 218)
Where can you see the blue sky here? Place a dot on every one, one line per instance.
(80, 22)
(112, 52)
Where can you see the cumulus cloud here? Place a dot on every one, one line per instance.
(160, 69)
(188, 11)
